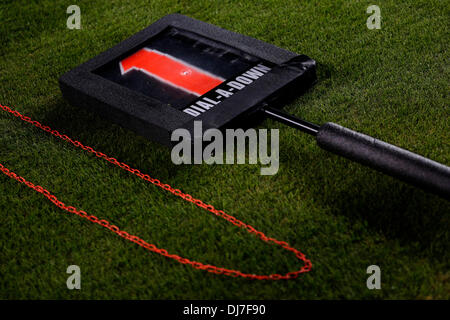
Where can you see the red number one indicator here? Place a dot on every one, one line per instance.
(171, 70)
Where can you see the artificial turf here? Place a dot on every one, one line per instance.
(390, 83)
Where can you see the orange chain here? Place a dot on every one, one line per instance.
(151, 247)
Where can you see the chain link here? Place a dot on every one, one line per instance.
(151, 247)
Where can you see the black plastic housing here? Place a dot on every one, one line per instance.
(149, 116)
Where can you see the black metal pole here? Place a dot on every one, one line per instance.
(291, 121)
(389, 159)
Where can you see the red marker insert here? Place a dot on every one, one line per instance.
(171, 71)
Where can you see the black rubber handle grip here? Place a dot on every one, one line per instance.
(387, 158)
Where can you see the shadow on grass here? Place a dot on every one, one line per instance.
(104, 136)
(419, 220)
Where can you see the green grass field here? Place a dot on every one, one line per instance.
(391, 83)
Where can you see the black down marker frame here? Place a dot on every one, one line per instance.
(180, 70)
